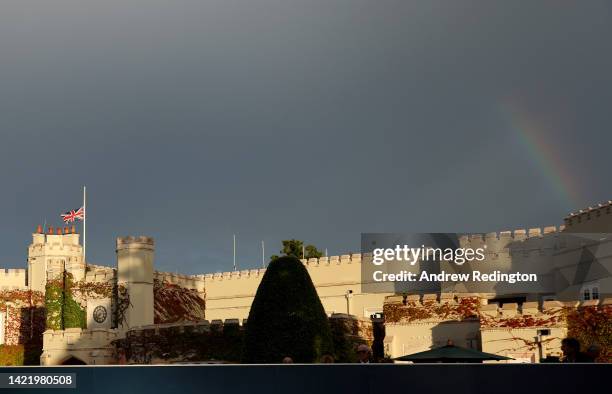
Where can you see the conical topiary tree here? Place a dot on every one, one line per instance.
(286, 318)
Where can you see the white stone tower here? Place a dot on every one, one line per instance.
(54, 252)
(135, 273)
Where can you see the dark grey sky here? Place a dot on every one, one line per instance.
(193, 120)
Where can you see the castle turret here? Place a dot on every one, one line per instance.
(135, 275)
(56, 250)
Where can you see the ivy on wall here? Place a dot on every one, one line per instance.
(24, 325)
(464, 309)
(192, 343)
(173, 303)
(592, 326)
(63, 311)
(122, 297)
(54, 301)
(73, 313)
(11, 355)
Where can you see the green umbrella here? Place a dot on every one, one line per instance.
(451, 354)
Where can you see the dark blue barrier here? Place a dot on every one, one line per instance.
(326, 378)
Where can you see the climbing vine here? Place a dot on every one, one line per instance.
(54, 301)
(174, 303)
(592, 326)
(63, 310)
(123, 303)
(463, 309)
(74, 315)
(547, 318)
(11, 355)
(24, 325)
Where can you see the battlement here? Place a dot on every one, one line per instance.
(450, 307)
(232, 275)
(11, 272)
(194, 282)
(121, 241)
(196, 326)
(66, 236)
(342, 259)
(355, 258)
(217, 324)
(514, 235)
(78, 338)
(589, 213)
(56, 245)
(13, 279)
(429, 308)
(100, 274)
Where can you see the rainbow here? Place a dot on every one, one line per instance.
(544, 153)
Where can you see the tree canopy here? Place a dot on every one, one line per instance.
(295, 247)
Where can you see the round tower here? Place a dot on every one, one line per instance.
(135, 280)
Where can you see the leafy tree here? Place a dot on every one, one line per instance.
(287, 317)
(293, 247)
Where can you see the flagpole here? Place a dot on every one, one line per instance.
(263, 255)
(234, 252)
(85, 226)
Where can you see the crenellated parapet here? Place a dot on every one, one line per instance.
(175, 303)
(596, 218)
(313, 263)
(13, 279)
(234, 275)
(354, 258)
(496, 241)
(527, 315)
(100, 274)
(90, 346)
(78, 338)
(201, 326)
(193, 282)
(431, 308)
(140, 241)
(448, 307)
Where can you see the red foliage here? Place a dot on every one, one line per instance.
(174, 303)
(545, 319)
(592, 326)
(463, 309)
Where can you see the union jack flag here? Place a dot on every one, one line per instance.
(71, 216)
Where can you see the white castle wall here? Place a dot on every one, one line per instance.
(442, 321)
(13, 279)
(403, 339)
(230, 294)
(519, 342)
(522, 332)
(91, 346)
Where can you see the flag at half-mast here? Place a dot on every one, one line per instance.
(71, 216)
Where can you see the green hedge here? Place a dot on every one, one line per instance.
(287, 317)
